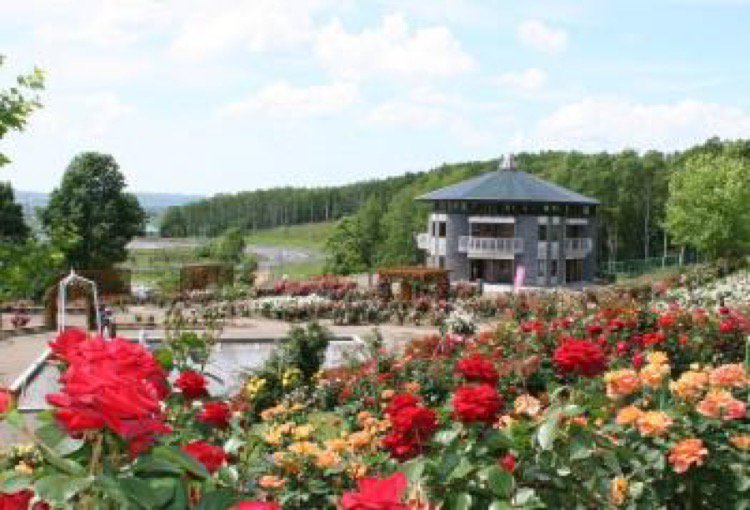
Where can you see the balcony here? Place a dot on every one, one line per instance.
(490, 247)
(575, 248)
(433, 245)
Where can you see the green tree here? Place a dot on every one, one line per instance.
(708, 202)
(27, 269)
(400, 224)
(90, 217)
(230, 247)
(13, 228)
(369, 218)
(18, 102)
(344, 248)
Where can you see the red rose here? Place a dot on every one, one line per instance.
(215, 414)
(638, 360)
(508, 462)
(412, 425)
(477, 369)
(5, 401)
(20, 501)
(666, 321)
(109, 384)
(213, 457)
(66, 342)
(593, 329)
(192, 384)
(377, 494)
(727, 326)
(476, 403)
(401, 401)
(580, 357)
(255, 505)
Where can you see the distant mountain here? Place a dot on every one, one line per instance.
(153, 203)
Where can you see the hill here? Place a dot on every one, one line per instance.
(631, 186)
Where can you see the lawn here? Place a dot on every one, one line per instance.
(310, 235)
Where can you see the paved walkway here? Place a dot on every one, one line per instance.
(18, 353)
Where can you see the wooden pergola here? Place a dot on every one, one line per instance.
(412, 277)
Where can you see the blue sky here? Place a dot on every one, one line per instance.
(222, 96)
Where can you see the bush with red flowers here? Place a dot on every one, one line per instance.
(412, 426)
(477, 369)
(192, 385)
(215, 414)
(377, 494)
(212, 457)
(476, 403)
(580, 357)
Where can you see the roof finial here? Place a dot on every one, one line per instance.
(507, 163)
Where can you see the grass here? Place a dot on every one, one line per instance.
(299, 270)
(310, 236)
(650, 277)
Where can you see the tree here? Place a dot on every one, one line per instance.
(12, 226)
(707, 207)
(18, 102)
(90, 218)
(369, 219)
(399, 224)
(230, 247)
(344, 248)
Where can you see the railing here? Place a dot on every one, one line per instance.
(577, 247)
(490, 246)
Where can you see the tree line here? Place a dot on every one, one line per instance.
(381, 216)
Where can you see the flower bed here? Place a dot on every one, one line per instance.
(567, 407)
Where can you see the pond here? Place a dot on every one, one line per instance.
(230, 358)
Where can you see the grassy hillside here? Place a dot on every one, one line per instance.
(309, 235)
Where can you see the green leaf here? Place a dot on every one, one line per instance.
(524, 496)
(13, 481)
(112, 489)
(58, 440)
(14, 418)
(500, 505)
(461, 502)
(499, 481)
(65, 465)
(180, 458)
(149, 493)
(60, 489)
(462, 470)
(548, 431)
(413, 469)
(149, 465)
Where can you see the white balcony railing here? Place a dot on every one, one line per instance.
(433, 245)
(490, 247)
(577, 247)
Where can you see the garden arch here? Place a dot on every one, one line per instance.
(56, 298)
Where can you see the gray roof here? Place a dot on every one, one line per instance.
(509, 186)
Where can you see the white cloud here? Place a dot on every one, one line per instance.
(100, 23)
(392, 49)
(81, 117)
(527, 80)
(602, 124)
(256, 26)
(406, 113)
(284, 101)
(542, 37)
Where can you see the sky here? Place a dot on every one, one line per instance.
(224, 95)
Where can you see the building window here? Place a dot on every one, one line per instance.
(441, 229)
(441, 262)
(542, 232)
(541, 268)
(553, 269)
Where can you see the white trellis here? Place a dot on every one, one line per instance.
(62, 297)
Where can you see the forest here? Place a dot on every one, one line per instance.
(632, 187)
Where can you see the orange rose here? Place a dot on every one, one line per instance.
(360, 439)
(271, 482)
(652, 375)
(742, 441)
(720, 403)
(327, 459)
(628, 415)
(621, 383)
(729, 376)
(528, 405)
(690, 385)
(336, 445)
(618, 491)
(686, 453)
(653, 423)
